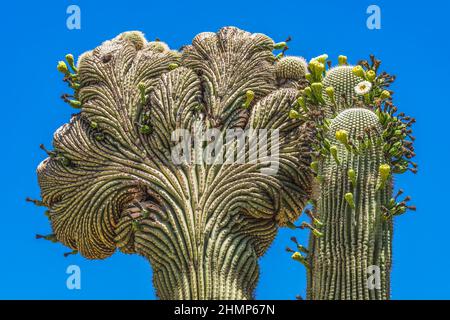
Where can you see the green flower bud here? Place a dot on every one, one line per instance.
(293, 114)
(279, 45)
(400, 210)
(141, 88)
(62, 67)
(342, 137)
(249, 96)
(349, 198)
(145, 129)
(385, 171)
(301, 103)
(385, 94)
(308, 92)
(314, 166)
(342, 60)
(359, 72)
(330, 93)
(371, 75)
(322, 58)
(317, 223)
(352, 176)
(75, 104)
(173, 66)
(334, 153)
(317, 233)
(316, 67)
(317, 88)
(71, 61)
(297, 256)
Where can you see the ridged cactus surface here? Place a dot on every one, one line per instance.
(343, 81)
(355, 233)
(111, 181)
(358, 143)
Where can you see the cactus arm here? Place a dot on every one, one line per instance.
(357, 143)
(357, 236)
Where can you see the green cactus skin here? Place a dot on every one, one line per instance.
(353, 238)
(111, 183)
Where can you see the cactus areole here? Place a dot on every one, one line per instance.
(111, 180)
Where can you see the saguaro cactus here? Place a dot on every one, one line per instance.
(360, 141)
(111, 181)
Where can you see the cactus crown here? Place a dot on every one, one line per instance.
(111, 181)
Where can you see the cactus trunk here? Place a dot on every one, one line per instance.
(221, 266)
(357, 239)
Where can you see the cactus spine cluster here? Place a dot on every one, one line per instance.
(359, 141)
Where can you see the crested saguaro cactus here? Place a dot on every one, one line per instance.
(112, 182)
(359, 143)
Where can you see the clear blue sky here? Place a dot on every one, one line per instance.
(413, 43)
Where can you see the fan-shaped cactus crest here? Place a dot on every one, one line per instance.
(112, 180)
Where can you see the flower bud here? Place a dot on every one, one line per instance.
(342, 137)
(145, 129)
(330, 93)
(317, 233)
(359, 72)
(349, 198)
(301, 103)
(316, 67)
(279, 45)
(62, 67)
(322, 58)
(71, 61)
(308, 92)
(75, 104)
(314, 166)
(342, 60)
(173, 66)
(249, 96)
(317, 223)
(352, 176)
(293, 114)
(385, 171)
(317, 88)
(371, 75)
(334, 153)
(385, 94)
